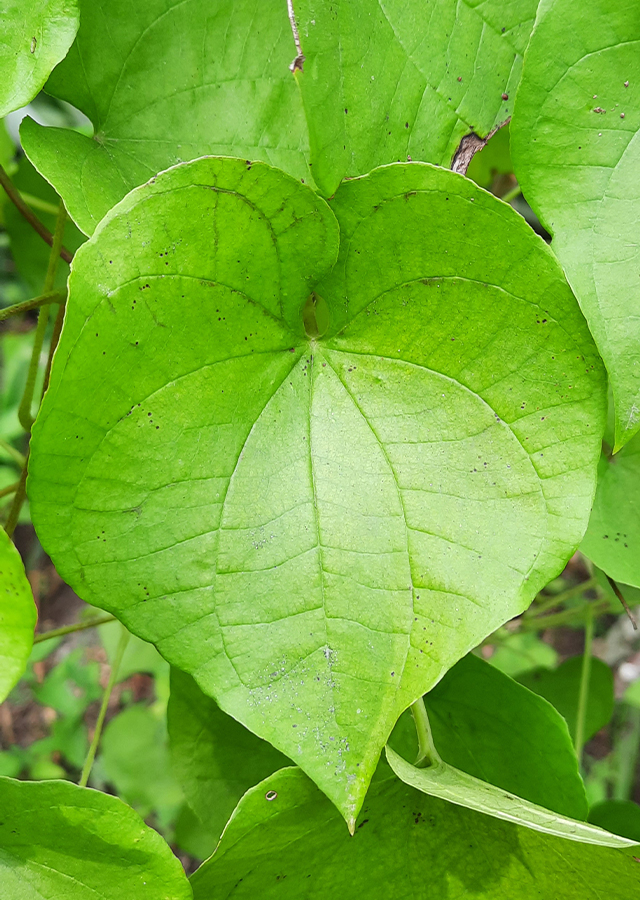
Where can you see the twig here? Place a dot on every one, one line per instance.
(298, 63)
(18, 500)
(616, 590)
(70, 629)
(34, 303)
(32, 219)
(585, 676)
(9, 489)
(91, 755)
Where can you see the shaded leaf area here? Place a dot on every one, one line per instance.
(561, 687)
(57, 839)
(395, 80)
(618, 816)
(439, 779)
(489, 726)
(34, 37)
(575, 144)
(613, 535)
(406, 844)
(215, 758)
(165, 81)
(17, 616)
(316, 529)
(29, 251)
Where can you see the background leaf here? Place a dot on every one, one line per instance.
(58, 839)
(216, 758)
(395, 80)
(613, 535)
(164, 82)
(575, 145)
(17, 616)
(561, 687)
(618, 816)
(406, 845)
(34, 35)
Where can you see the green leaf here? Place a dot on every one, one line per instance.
(163, 83)
(618, 816)
(561, 687)
(135, 759)
(613, 535)
(406, 845)
(139, 656)
(215, 758)
(316, 528)
(575, 144)
(448, 783)
(29, 251)
(34, 35)
(520, 652)
(491, 727)
(57, 839)
(390, 81)
(17, 616)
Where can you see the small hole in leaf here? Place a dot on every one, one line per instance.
(270, 795)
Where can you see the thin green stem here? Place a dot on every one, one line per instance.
(26, 213)
(44, 299)
(565, 617)
(512, 194)
(91, 755)
(559, 599)
(9, 489)
(24, 410)
(70, 629)
(36, 203)
(427, 753)
(18, 500)
(626, 752)
(15, 455)
(585, 676)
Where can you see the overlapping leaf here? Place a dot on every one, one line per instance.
(59, 840)
(316, 528)
(575, 144)
(216, 759)
(34, 37)
(613, 536)
(164, 81)
(390, 80)
(285, 841)
(17, 616)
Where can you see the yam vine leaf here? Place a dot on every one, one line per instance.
(34, 37)
(613, 535)
(17, 616)
(165, 81)
(60, 840)
(575, 144)
(390, 80)
(285, 841)
(316, 528)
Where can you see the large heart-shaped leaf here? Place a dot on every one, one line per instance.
(575, 144)
(34, 37)
(164, 81)
(285, 841)
(613, 535)
(59, 840)
(17, 616)
(215, 758)
(316, 527)
(390, 80)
